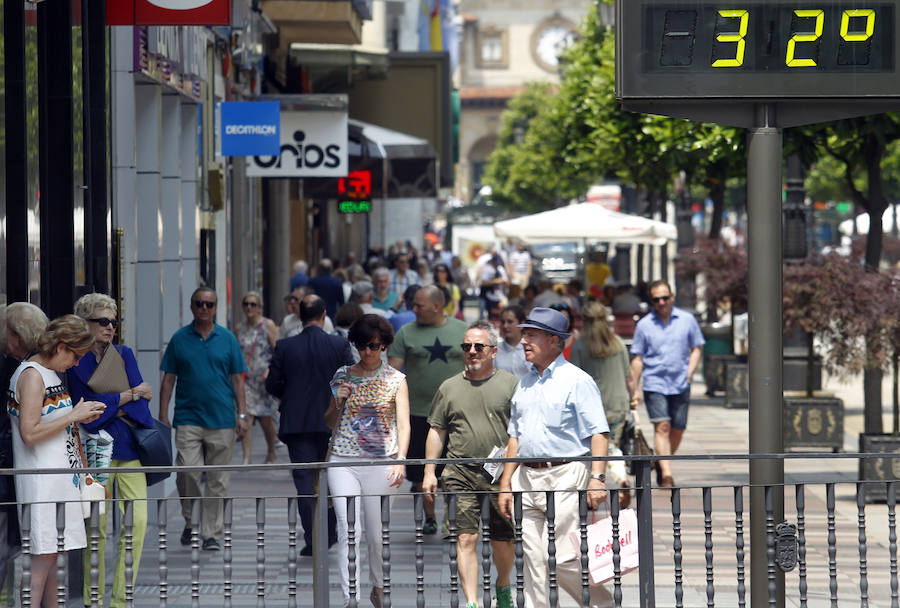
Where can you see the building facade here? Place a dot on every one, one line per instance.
(505, 45)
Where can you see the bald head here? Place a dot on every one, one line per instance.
(428, 304)
(312, 309)
(435, 295)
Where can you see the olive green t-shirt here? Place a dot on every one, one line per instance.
(431, 354)
(475, 413)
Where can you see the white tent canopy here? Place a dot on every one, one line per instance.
(862, 222)
(585, 221)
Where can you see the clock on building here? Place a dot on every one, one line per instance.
(549, 40)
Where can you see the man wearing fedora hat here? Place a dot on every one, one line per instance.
(556, 415)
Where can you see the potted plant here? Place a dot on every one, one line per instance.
(850, 312)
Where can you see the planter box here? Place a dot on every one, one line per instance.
(813, 422)
(794, 374)
(737, 385)
(878, 469)
(714, 371)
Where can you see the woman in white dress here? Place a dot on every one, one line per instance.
(44, 434)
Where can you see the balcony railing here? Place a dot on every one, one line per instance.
(694, 546)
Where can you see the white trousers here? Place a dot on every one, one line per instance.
(533, 483)
(367, 484)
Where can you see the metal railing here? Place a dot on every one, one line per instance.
(693, 544)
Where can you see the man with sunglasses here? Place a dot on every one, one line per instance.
(665, 351)
(300, 375)
(203, 362)
(469, 414)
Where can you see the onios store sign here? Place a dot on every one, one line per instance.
(168, 12)
(313, 144)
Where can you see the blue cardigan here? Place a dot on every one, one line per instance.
(109, 421)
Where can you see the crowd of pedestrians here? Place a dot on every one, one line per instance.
(370, 362)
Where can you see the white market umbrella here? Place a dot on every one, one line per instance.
(586, 221)
(862, 223)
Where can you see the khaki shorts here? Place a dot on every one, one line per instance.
(469, 483)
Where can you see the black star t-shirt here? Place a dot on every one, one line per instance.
(431, 355)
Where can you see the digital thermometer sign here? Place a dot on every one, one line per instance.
(706, 49)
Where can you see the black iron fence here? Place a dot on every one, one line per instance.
(822, 543)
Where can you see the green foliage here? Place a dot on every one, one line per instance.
(579, 135)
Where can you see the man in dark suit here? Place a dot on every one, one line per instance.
(300, 375)
(328, 287)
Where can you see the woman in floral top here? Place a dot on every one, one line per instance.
(369, 413)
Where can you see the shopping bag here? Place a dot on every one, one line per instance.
(633, 442)
(600, 546)
(92, 491)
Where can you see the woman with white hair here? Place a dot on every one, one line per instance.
(25, 323)
(131, 405)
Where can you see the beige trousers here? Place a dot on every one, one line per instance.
(533, 483)
(199, 446)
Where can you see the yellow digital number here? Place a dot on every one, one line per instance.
(868, 13)
(789, 59)
(737, 37)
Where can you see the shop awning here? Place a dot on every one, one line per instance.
(401, 166)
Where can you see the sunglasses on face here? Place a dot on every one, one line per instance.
(104, 322)
(251, 304)
(478, 347)
(204, 304)
(660, 299)
(370, 346)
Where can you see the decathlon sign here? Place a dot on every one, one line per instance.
(313, 144)
(250, 128)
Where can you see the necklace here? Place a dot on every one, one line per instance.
(368, 372)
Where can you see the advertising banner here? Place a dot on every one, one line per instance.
(250, 128)
(313, 144)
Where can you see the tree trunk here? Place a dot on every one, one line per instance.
(717, 195)
(872, 376)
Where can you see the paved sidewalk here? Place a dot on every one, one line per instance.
(712, 429)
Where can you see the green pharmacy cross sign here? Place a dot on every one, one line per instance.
(355, 206)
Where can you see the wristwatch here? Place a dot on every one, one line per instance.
(598, 476)
(242, 416)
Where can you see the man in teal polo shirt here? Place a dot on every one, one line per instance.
(206, 361)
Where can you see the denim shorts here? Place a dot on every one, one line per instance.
(668, 407)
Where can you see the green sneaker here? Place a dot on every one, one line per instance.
(430, 526)
(472, 605)
(504, 597)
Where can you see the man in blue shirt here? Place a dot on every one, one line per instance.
(666, 350)
(328, 287)
(206, 361)
(556, 415)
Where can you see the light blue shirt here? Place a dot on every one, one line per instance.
(555, 414)
(399, 282)
(512, 359)
(666, 350)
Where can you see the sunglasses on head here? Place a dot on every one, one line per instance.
(478, 347)
(660, 299)
(204, 304)
(104, 322)
(370, 346)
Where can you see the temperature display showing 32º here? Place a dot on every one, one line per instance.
(764, 38)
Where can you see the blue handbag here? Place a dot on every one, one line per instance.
(154, 448)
